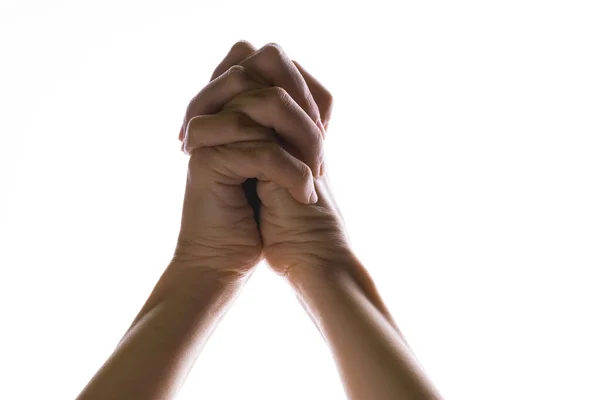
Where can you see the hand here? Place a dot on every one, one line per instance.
(292, 233)
(302, 237)
(227, 148)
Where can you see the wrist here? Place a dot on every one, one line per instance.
(195, 271)
(193, 288)
(222, 262)
(324, 266)
(313, 280)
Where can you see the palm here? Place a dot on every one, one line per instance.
(291, 231)
(234, 225)
(218, 221)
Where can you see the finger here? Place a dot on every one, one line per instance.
(322, 96)
(244, 49)
(274, 108)
(224, 128)
(218, 92)
(283, 72)
(265, 161)
(238, 52)
(273, 65)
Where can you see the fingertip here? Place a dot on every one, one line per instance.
(313, 197)
(321, 127)
(317, 172)
(299, 197)
(306, 196)
(184, 149)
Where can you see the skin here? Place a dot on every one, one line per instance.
(257, 189)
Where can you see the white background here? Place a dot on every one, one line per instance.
(463, 149)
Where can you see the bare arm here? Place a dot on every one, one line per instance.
(309, 246)
(158, 350)
(372, 357)
(219, 242)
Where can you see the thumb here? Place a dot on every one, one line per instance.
(275, 196)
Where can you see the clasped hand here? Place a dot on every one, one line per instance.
(256, 185)
(256, 189)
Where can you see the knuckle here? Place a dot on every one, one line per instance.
(190, 106)
(278, 91)
(237, 70)
(192, 133)
(270, 153)
(279, 97)
(243, 45)
(305, 172)
(192, 125)
(273, 50)
(237, 76)
(327, 98)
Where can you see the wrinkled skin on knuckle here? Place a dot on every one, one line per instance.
(279, 94)
(238, 78)
(279, 100)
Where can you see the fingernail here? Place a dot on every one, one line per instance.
(321, 127)
(317, 172)
(322, 170)
(313, 197)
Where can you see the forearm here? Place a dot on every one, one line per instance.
(156, 353)
(372, 357)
